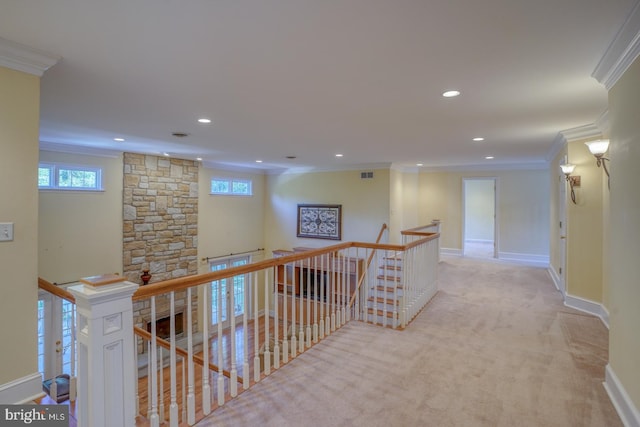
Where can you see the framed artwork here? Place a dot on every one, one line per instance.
(320, 221)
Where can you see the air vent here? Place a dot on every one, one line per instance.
(180, 134)
(366, 175)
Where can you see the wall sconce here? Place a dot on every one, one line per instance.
(598, 148)
(574, 181)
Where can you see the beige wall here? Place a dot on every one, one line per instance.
(584, 226)
(403, 209)
(80, 232)
(624, 292)
(19, 116)
(365, 205)
(523, 208)
(229, 224)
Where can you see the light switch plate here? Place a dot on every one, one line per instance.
(6, 231)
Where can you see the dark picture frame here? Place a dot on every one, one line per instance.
(320, 221)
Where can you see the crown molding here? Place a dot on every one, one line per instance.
(78, 149)
(487, 168)
(622, 51)
(24, 58)
(582, 132)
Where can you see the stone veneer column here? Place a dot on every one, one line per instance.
(160, 227)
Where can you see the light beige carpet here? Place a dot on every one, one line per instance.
(495, 347)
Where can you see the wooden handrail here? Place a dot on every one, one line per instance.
(361, 278)
(167, 345)
(185, 282)
(55, 290)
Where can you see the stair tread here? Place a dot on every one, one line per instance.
(389, 278)
(383, 300)
(388, 288)
(380, 312)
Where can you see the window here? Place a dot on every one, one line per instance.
(222, 288)
(231, 186)
(53, 176)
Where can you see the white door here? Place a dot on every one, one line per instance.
(562, 223)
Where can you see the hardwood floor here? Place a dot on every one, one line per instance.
(163, 405)
(214, 342)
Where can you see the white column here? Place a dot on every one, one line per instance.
(106, 366)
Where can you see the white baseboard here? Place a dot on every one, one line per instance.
(525, 259)
(556, 279)
(479, 240)
(588, 306)
(22, 390)
(450, 252)
(627, 411)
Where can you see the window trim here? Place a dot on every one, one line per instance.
(54, 169)
(230, 181)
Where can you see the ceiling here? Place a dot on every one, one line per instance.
(311, 79)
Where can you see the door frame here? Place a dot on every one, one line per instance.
(230, 312)
(495, 211)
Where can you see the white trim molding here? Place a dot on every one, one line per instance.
(556, 280)
(627, 411)
(524, 259)
(622, 51)
(587, 306)
(451, 252)
(24, 58)
(22, 390)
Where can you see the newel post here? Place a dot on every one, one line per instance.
(106, 373)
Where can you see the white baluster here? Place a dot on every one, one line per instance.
(191, 398)
(184, 390)
(245, 335)
(149, 379)
(334, 290)
(220, 353)
(206, 387)
(276, 347)
(301, 307)
(152, 368)
(256, 331)
(285, 325)
(161, 381)
(294, 339)
(308, 316)
(233, 381)
(173, 406)
(323, 299)
(72, 346)
(315, 298)
(267, 338)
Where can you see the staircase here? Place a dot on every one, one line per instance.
(385, 295)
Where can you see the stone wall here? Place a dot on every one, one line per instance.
(160, 226)
(160, 218)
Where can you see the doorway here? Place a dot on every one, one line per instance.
(479, 220)
(229, 297)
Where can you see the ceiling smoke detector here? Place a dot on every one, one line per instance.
(180, 134)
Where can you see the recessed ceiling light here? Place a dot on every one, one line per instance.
(165, 154)
(489, 157)
(478, 139)
(451, 93)
(258, 161)
(419, 164)
(204, 120)
(339, 155)
(118, 139)
(199, 159)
